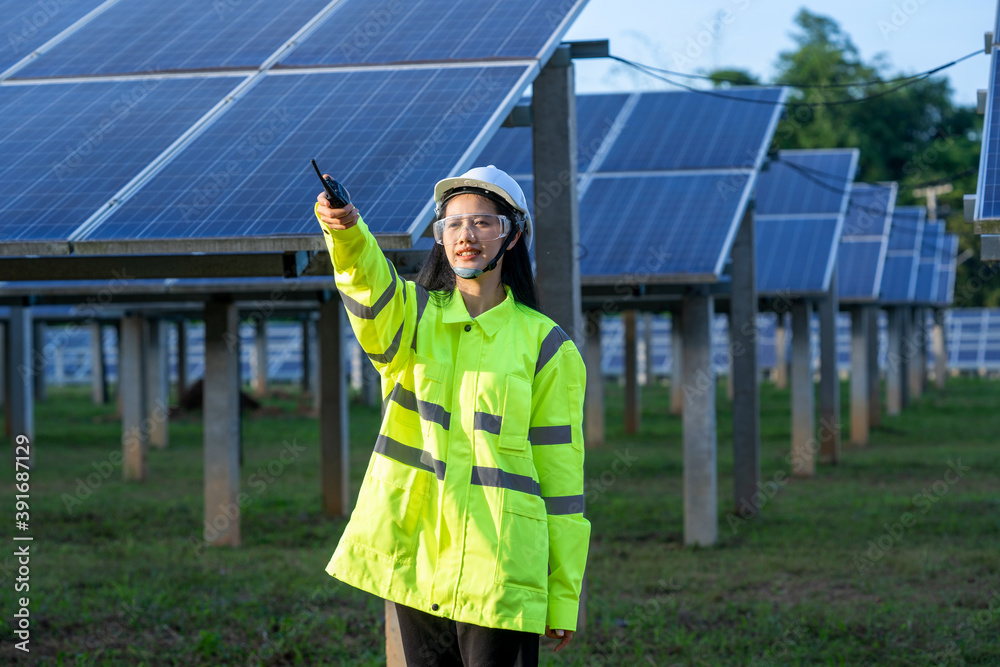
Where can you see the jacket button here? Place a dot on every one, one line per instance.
(468, 327)
(434, 607)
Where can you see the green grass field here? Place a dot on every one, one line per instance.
(891, 557)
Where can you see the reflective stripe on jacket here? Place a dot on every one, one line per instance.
(472, 504)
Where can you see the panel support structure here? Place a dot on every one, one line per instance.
(98, 367)
(260, 354)
(594, 399)
(804, 444)
(700, 435)
(222, 424)
(41, 359)
(676, 362)
(743, 370)
(132, 391)
(633, 398)
(894, 375)
(333, 427)
(647, 347)
(940, 350)
(781, 353)
(860, 409)
(829, 380)
(906, 354)
(874, 373)
(916, 352)
(20, 375)
(182, 364)
(307, 357)
(556, 220)
(158, 384)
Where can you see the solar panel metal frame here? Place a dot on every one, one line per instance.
(838, 238)
(991, 130)
(889, 209)
(915, 253)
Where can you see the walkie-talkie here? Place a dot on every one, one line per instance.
(337, 194)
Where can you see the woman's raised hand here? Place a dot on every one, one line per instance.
(336, 218)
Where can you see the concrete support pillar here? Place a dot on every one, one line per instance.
(917, 353)
(906, 355)
(132, 385)
(780, 373)
(940, 350)
(333, 425)
(158, 384)
(20, 375)
(803, 397)
(700, 474)
(860, 409)
(874, 372)
(593, 416)
(829, 379)
(307, 358)
(647, 348)
(894, 376)
(222, 424)
(633, 398)
(260, 354)
(41, 360)
(98, 370)
(743, 370)
(182, 363)
(556, 215)
(676, 362)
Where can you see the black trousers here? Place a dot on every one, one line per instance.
(430, 641)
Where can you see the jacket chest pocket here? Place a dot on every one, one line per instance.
(430, 380)
(516, 415)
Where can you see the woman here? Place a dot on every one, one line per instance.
(470, 517)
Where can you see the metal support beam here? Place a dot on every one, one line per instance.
(182, 364)
(874, 373)
(940, 350)
(829, 379)
(20, 374)
(333, 425)
(132, 392)
(556, 220)
(780, 372)
(307, 358)
(803, 393)
(633, 399)
(158, 384)
(906, 355)
(743, 370)
(917, 352)
(700, 475)
(860, 409)
(894, 377)
(41, 360)
(98, 367)
(594, 399)
(676, 362)
(222, 424)
(647, 349)
(260, 355)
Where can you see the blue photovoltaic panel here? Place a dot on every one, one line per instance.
(148, 36)
(793, 255)
(680, 130)
(511, 149)
(690, 241)
(870, 210)
(927, 274)
(26, 26)
(899, 280)
(249, 173)
(396, 31)
(946, 271)
(85, 141)
(857, 268)
(800, 182)
(988, 186)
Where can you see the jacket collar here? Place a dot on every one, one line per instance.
(490, 321)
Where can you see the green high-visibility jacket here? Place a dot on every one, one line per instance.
(472, 504)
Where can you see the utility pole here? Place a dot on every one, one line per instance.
(932, 192)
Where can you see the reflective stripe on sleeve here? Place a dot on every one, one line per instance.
(411, 456)
(505, 480)
(371, 312)
(551, 435)
(422, 297)
(550, 345)
(389, 354)
(431, 412)
(484, 421)
(563, 504)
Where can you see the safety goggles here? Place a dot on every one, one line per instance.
(481, 227)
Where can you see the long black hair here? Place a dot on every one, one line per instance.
(438, 278)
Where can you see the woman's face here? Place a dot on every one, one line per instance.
(469, 252)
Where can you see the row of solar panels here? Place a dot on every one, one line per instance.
(973, 338)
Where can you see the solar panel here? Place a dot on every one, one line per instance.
(690, 243)
(868, 221)
(927, 273)
(27, 26)
(946, 271)
(84, 141)
(794, 254)
(393, 31)
(249, 173)
(988, 185)
(899, 279)
(806, 181)
(678, 130)
(152, 36)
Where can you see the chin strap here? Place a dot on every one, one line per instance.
(475, 273)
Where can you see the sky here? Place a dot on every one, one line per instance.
(693, 37)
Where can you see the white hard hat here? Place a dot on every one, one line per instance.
(492, 180)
